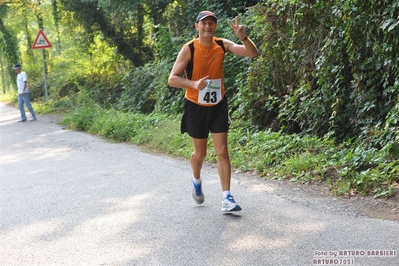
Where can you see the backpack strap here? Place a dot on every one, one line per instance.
(189, 68)
(220, 42)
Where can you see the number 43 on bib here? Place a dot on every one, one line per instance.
(212, 94)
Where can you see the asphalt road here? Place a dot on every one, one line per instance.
(70, 198)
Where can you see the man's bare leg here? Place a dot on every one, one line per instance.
(223, 159)
(197, 158)
(224, 169)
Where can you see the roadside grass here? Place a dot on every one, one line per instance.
(8, 98)
(40, 107)
(347, 168)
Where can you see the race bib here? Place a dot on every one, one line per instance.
(212, 94)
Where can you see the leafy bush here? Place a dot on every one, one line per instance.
(321, 74)
(146, 89)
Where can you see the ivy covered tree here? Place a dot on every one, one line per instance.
(321, 71)
(9, 52)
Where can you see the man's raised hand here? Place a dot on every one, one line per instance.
(238, 29)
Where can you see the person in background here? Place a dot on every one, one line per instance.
(23, 94)
(205, 103)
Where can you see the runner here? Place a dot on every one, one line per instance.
(205, 103)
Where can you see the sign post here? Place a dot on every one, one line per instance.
(41, 42)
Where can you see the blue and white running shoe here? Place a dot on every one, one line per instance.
(229, 205)
(198, 196)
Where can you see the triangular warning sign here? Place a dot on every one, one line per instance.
(41, 41)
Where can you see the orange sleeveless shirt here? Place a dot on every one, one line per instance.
(207, 61)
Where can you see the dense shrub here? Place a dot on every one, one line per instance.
(321, 71)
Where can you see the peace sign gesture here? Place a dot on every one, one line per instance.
(238, 29)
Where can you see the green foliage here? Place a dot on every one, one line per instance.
(8, 44)
(122, 24)
(303, 159)
(369, 171)
(83, 114)
(153, 129)
(321, 71)
(364, 97)
(263, 150)
(146, 88)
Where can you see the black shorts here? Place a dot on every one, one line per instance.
(198, 120)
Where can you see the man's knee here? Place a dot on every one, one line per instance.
(199, 155)
(222, 153)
